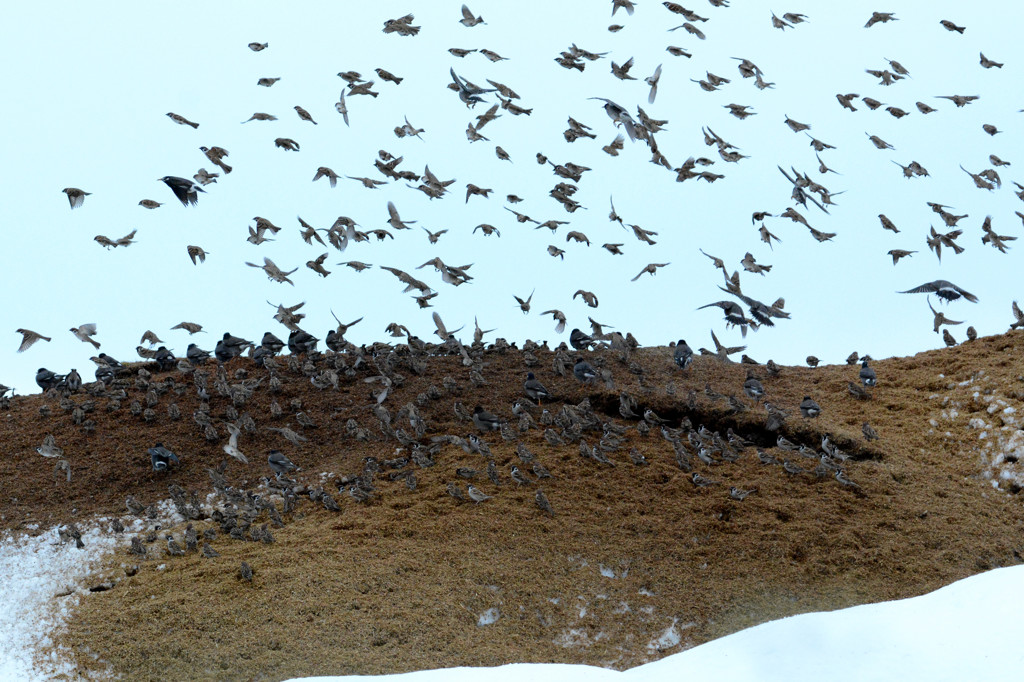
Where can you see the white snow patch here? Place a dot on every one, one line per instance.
(489, 617)
(43, 580)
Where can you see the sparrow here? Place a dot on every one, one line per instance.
(231, 449)
(216, 156)
(181, 120)
(260, 116)
(258, 47)
(85, 334)
(475, 494)
(196, 252)
(542, 501)
(76, 197)
(303, 114)
(29, 337)
(468, 19)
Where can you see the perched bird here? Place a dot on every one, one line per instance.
(534, 389)
(869, 432)
(753, 387)
(542, 502)
(476, 494)
(809, 408)
(948, 339)
(280, 464)
(683, 355)
(583, 371)
(185, 190)
(867, 375)
(484, 420)
(580, 340)
(161, 457)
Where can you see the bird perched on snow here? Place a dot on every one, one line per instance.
(944, 289)
(186, 190)
(161, 457)
(867, 375)
(683, 355)
(809, 408)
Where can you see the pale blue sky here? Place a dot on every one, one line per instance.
(87, 93)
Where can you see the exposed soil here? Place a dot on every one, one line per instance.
(631, 555)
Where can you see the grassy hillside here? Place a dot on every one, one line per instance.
(636, 561)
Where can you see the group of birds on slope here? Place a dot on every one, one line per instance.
(226, 403)
(741, 310)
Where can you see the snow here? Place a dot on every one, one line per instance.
(969, 630)
(43, 579)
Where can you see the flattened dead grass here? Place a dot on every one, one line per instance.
(402, 582)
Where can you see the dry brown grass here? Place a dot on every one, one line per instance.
(399, 583)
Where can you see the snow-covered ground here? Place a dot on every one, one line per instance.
(970, 630)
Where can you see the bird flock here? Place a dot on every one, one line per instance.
(812, 198)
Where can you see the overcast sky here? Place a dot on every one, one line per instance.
(87, 93)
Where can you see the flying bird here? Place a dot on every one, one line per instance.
(945, 290)
(186, 190)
